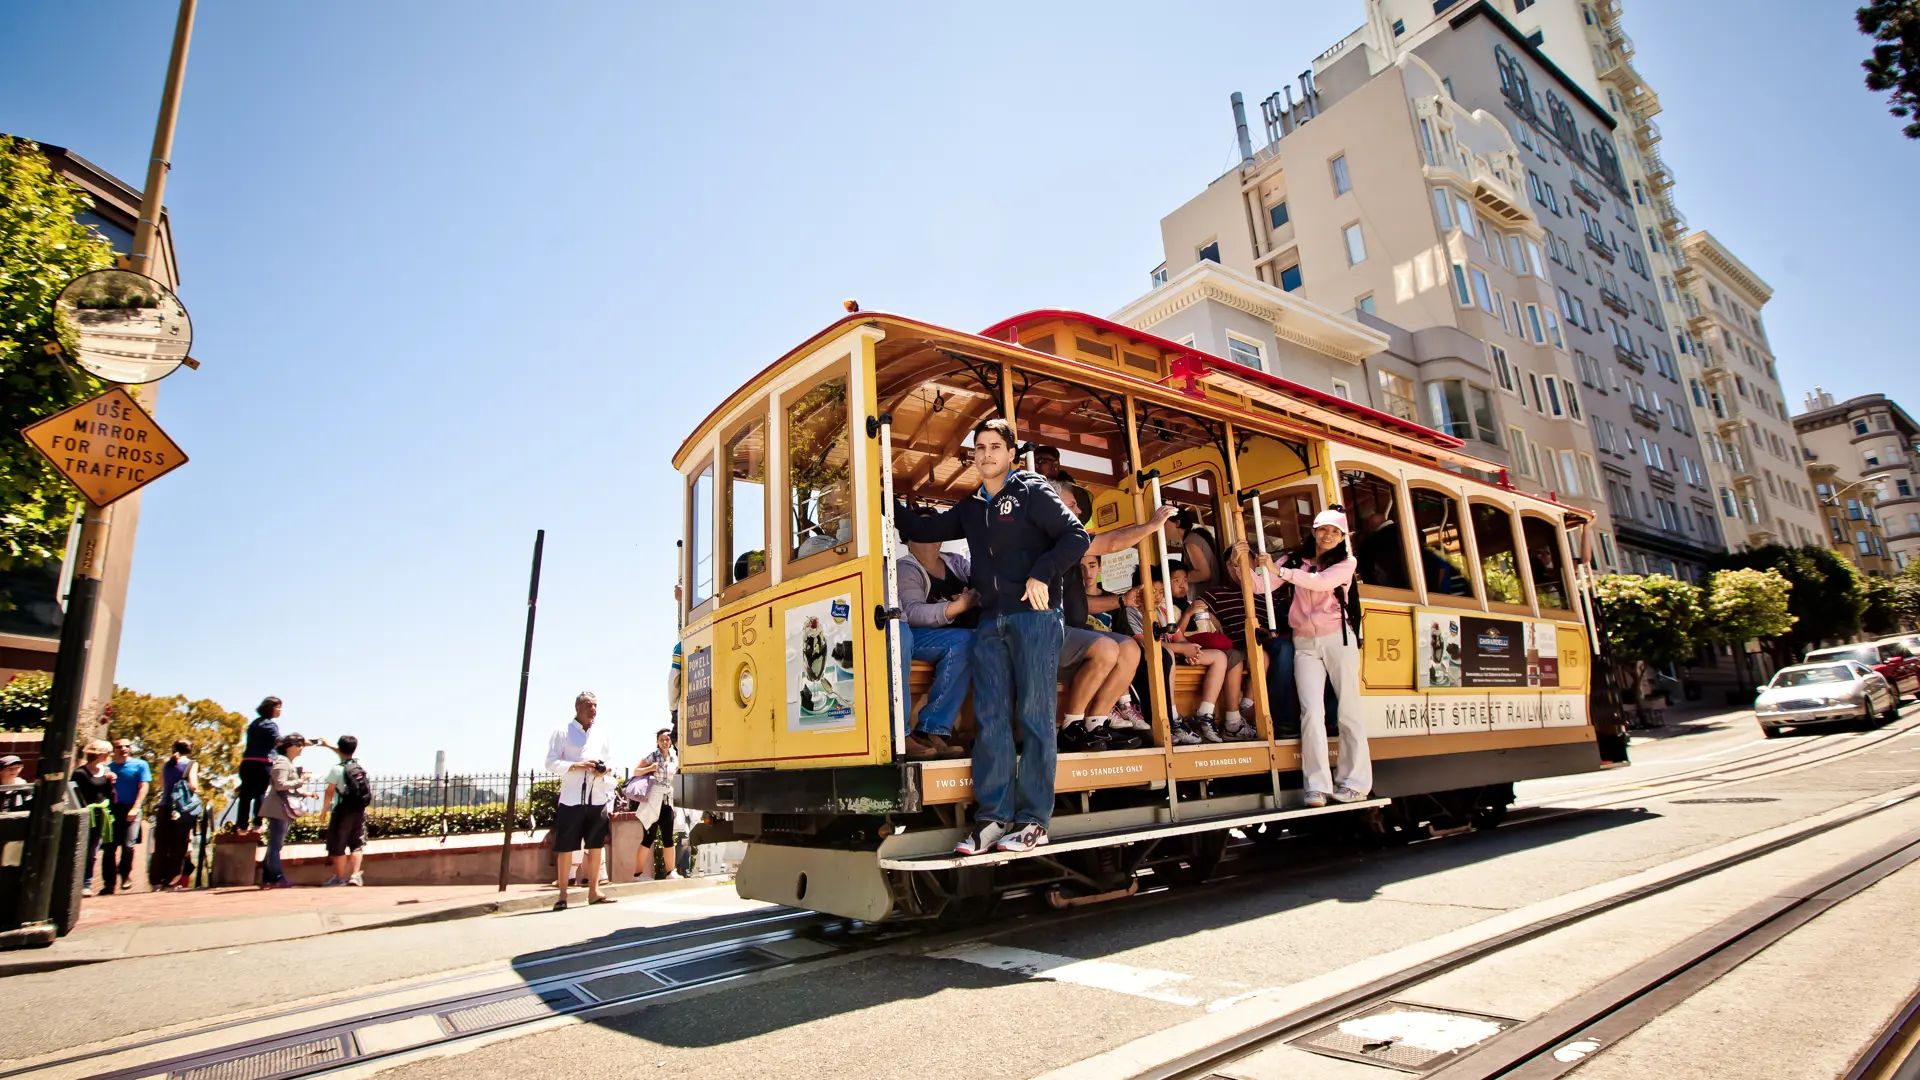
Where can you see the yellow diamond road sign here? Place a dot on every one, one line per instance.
(108, 447)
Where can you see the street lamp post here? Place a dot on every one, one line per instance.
(41, 858)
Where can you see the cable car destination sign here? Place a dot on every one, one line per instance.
(107, 447)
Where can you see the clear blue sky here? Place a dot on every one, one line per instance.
(464, 270)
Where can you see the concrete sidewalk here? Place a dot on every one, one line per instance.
(156, 924)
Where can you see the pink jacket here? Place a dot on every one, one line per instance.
(1316, 608)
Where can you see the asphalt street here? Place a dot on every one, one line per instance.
(1038, 991)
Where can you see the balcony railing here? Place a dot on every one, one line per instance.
(1658, 171)
(1646, 417)
(1626, 356)
(1599, 247)
(1591, 196)
(1490, 185)
(1615, 301)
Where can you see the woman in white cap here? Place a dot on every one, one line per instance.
(1326, 638)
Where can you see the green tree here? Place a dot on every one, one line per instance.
(1882, 614)
(42, 247)
(1893, 68)
(156, 723)
(1826, 601)
(1647, 620)
(1907, 595)
(24, 701)
(1746, 605)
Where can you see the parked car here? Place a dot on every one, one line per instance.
(1895, 661)
(1824, 693)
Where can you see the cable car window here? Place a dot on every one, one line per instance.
(819, 476)
(1374, 518)
(1499, 566)
(1287, 516)
(747, 501)
(1543, 558)
(1443, 553)
(700, 536)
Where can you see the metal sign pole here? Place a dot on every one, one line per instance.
(41, 858)
(895, 677)
(520, 713)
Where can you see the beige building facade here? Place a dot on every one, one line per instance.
(1769, 485)
(1864, 456)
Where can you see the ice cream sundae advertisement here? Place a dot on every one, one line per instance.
(820, 665)
(1471, 652)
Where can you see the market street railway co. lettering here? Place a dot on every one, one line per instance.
(107, 447)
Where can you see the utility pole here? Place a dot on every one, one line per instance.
(520, 713)
(41, 858)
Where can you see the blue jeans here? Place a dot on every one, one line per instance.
(276, 836)
(1016, 669)
(1283, 698)
(950, 651)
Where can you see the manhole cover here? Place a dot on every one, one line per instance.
(1401, 1035)
(1742, 799)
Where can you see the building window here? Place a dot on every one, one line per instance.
(1553, 397)
(1440, 211)
(1277, 214)
(1463, 215)
(1290, 277)
(1517, 442)
(1364, 303)
(1356, 244)
(1533, 324)
(1242, 351)
(1342, 183)
(1482, 292)
(1342, 390)
(1210, 251)
(1573, 399)
(1539, 402)
(1905, 489)
(1399, 27)
(1460, 290)
(1502, 370)
(1160, 275)
(1396, 396)
(1569, 474)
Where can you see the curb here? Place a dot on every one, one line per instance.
(26, 962)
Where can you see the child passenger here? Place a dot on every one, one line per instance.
(1327, 648)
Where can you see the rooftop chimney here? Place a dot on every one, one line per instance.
(1240, 129)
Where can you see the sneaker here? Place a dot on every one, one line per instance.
(1238, 730)
(1314, 800)
(1203, 727)
(1127, 715)
(1120, 738)
(1076, 739)
(1246, 706)
(1345, 794)
(922, 746)
(356, 880)
(1182, 736)
(1025, 837)
(985, 834)
(332, 882)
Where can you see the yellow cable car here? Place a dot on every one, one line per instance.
(1477, 628)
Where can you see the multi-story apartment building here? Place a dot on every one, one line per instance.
(1864, 456)
(1465, 181)
(1770, 490)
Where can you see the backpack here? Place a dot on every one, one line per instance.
(1350, 610)
(356, 791)
(183, 800)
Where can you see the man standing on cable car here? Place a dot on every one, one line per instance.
(1022, 540)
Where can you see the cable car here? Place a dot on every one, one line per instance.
(1478, 634)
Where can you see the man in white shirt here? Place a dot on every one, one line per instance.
(582, 756)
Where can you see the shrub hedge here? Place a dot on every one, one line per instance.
(537, 812)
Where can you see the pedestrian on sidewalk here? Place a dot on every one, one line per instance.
(282, 805)
(179, 812)
(653, 781)
(93, 782)
(581, 753)
(349, 793)
(256, 765)
(133, 778)
(13, 794)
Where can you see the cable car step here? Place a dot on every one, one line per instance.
(1110, 837)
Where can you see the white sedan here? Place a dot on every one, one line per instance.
(1823, 693)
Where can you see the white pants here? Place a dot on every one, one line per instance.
(1315, 660)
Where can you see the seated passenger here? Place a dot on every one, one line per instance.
(939, 615)
(749, 563)
(834, 528)
(1544, 560)
(1192, 544)
(1175, 649)
(1383, 560)
(1225, 606)
(1098, 665)
(1046, 462)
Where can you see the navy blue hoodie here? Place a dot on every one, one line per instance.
(1023, 532)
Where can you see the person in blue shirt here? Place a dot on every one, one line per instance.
(132, 777)
(1022, 541)
(256, 765)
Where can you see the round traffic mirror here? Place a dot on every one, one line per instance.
(132, 329)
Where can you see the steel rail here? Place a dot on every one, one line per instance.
(1207, 1060)
(1895, 1053)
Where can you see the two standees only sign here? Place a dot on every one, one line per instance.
(108, 447)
